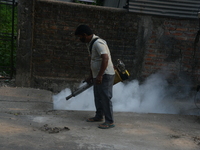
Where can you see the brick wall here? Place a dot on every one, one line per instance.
(170, 45)
(145, 43)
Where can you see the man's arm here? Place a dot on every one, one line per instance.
(104, 64)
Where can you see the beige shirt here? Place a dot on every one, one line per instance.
(100, 47)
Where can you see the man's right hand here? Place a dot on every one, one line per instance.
(89, 80)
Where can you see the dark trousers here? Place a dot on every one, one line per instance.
(102, 96)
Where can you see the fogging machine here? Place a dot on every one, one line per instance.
(121, 74)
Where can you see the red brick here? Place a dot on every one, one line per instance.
(53, 27)
(177, 33)
(181, 29)
(151, 55)
(149, 63)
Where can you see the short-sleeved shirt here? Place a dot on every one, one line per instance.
(100, 47)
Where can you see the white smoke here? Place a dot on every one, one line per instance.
(154, 95)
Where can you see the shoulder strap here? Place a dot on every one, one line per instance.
(92, 42)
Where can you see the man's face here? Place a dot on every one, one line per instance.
(82, 38)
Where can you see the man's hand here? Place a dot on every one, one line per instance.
(89, 80)
(99, 79)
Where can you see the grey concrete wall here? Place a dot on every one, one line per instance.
(25, 42)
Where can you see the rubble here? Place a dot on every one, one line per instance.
(48, 129)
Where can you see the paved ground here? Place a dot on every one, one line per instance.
(27, 122)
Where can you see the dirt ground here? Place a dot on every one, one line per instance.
(27, 121)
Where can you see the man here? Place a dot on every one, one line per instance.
(102, 75)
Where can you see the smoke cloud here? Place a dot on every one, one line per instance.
(155, 95)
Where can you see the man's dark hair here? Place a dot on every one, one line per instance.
(80, 30)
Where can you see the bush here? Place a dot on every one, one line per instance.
(7, 48)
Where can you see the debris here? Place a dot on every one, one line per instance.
(196, 140)
(175, 136)
(48, 129)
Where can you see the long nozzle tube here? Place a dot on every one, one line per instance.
(80, 90)
(118, 78)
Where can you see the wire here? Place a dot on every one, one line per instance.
(196, 98)
(195, 63)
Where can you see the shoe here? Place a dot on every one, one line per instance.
(106, 125)
(94, 119)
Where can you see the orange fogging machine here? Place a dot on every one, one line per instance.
(121, 74)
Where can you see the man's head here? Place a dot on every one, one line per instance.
(84, 33)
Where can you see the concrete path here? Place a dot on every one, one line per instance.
(27, 122)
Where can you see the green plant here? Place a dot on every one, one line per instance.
(7, 48)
